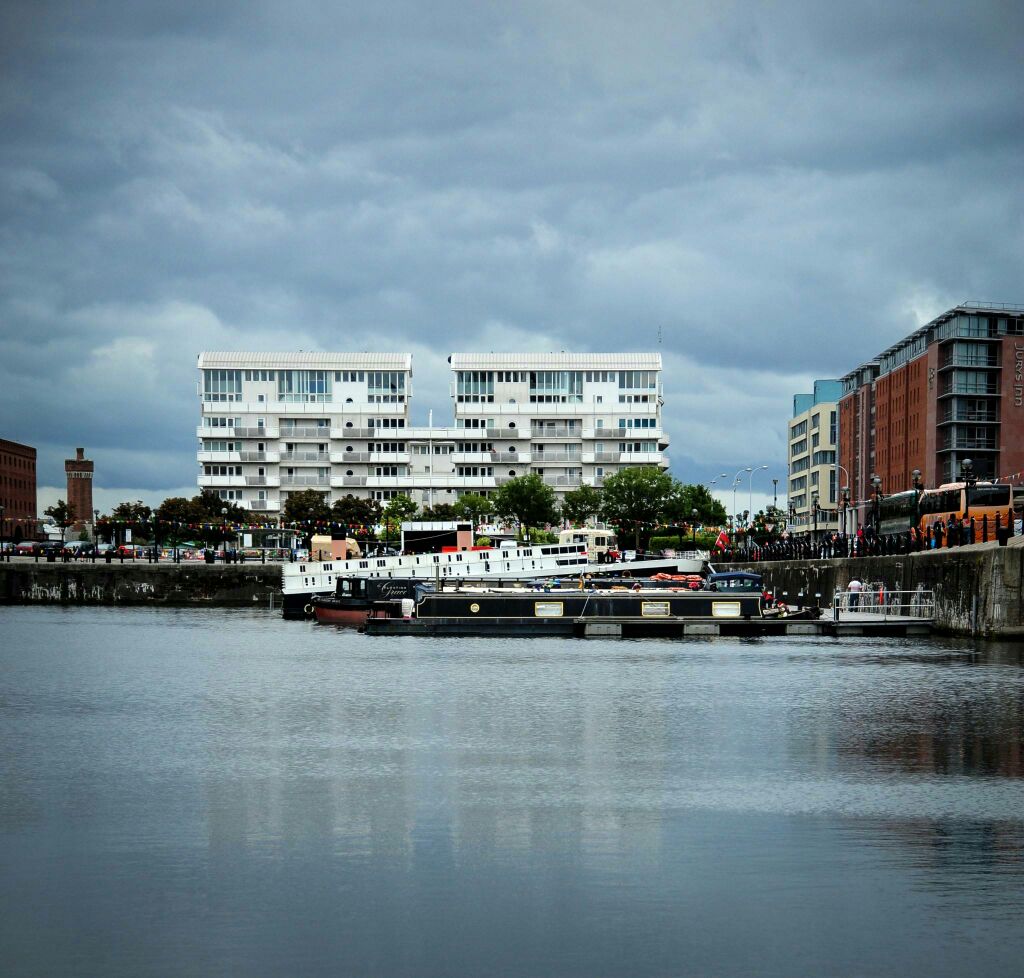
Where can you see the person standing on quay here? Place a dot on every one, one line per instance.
(854, 587)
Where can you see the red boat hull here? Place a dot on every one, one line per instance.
(326, 615)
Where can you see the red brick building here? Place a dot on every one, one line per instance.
(79, 471)
(17, 490)
(952, 390)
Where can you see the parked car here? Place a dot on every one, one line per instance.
(79, 548)
(26, 547)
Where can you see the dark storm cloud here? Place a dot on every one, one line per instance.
(779, 191)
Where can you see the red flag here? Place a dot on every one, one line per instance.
(722, 541)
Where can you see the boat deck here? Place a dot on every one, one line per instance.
(610, 627)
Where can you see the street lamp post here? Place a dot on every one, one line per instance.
(970, 481)
(736, 482)
(693, 528)
(814, 510)
(750, 492)
(918, 489)
(775, 493)
(876, 484)
(844, 505)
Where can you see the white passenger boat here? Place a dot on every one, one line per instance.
(304, 580)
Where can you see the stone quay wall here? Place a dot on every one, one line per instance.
(140, 583)
(977, 589)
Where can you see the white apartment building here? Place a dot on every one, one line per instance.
(339, 423)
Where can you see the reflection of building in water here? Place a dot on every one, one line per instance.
(960, 715)
(418, 769)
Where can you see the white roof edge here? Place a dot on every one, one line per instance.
(582, 361)
(312, 358)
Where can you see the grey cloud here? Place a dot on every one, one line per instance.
(783, 190)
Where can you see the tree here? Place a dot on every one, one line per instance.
(769, 524)
(684, 499)
(581, 504)
(398, 510)
(526, 501)
(212, 507)
(473, 507)
(635, 499)
(176, 516)
(306, 508)
(351, 511)
(441, 511)
(134, 516)
(63, 514)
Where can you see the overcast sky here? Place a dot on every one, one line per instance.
(766, 192)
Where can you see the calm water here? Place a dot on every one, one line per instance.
(224, 793)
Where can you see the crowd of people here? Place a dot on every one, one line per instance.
(867, 543)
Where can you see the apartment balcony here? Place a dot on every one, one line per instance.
(390, 458)
(315, 458)
(221, 481)
(973, 443)
(218, 456)
(406, 483)
(563, 481)
(477, 458)
(340, 434)
(305, 481)
(969, 386)
(641, 458)
(956, 415)
(498, 457)
(380, 458)
(302, 432)
(262, 505)
(547, 434)
(344, 458)
(599, 458)
(226, 433)
(985, 362)
(262, 480)
(262, 433)
(236, 456)
(545, 458)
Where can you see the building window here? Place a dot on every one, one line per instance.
(638, 380)
(304, 385)
(556, 386)
(385, 386)
(222, 385)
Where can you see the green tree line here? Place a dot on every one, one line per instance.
(635, 501)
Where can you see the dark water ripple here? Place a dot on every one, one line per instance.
(207, 793)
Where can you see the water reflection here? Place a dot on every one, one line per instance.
(247, 795)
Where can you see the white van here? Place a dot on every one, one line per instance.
(598, 541)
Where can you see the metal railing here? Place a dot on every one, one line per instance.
(268, 433)
(306, 480)
(559, 432)
(876, 601)
(305, 457)
(306, 431)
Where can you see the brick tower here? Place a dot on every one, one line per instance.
(79, 472)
